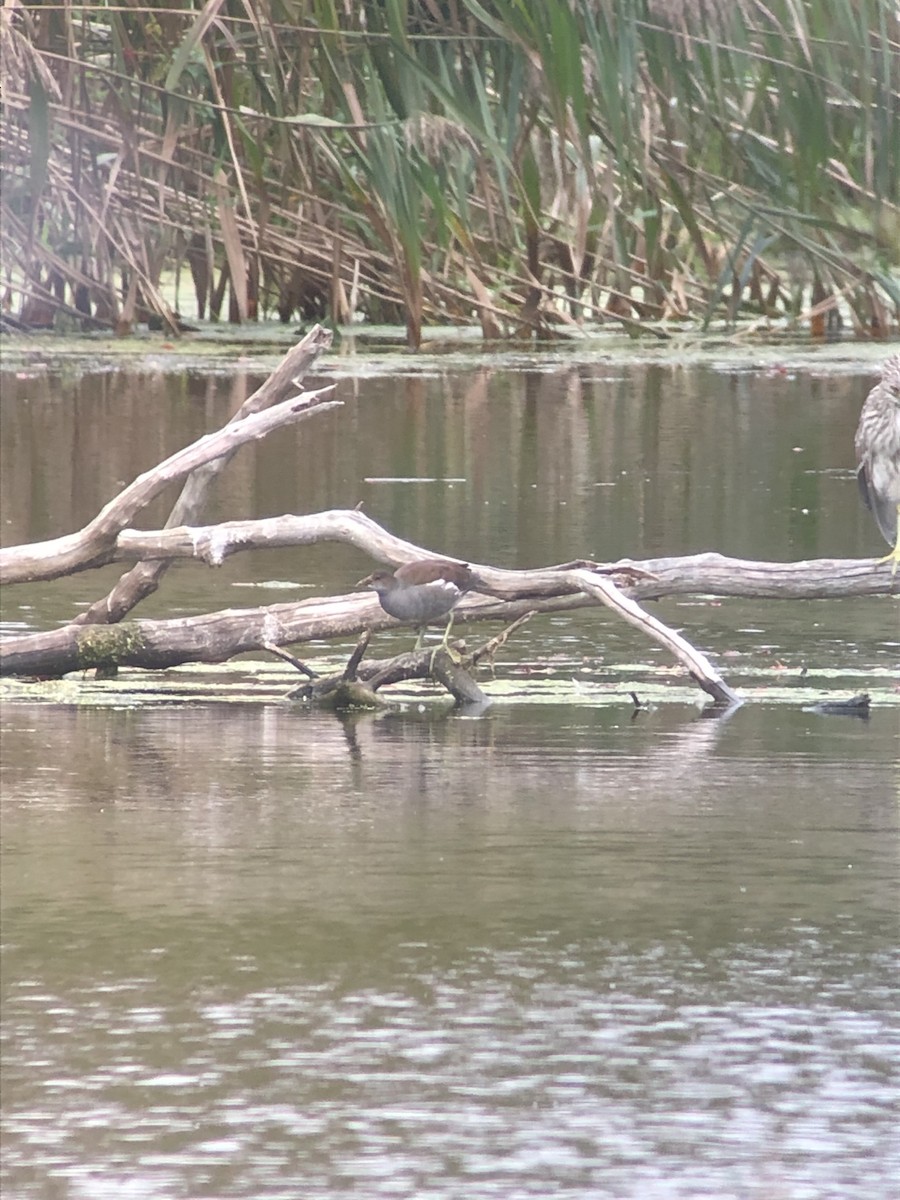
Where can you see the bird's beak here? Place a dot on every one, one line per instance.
(363, 583)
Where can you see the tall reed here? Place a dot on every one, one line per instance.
(535, 165)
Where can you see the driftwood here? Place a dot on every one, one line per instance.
(95, 640)
(144, 577)
(358, 684)
(201, 462)
(89, 547)
(649, 579)
(503, 595)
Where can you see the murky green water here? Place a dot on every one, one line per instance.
(557, 951)
(552, 952)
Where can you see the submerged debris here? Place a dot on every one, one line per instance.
(856, 706)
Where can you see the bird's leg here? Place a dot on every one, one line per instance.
(446, 636)
(444, 645)
(894, 556)
(418, 644)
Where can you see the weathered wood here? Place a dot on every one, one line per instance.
(215, 637)
(144, 577)
(504, 595)
(94, 544)
(709, 573)
(89, 642)
(814, 579)
(701, 669)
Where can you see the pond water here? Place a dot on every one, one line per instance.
(560, 950)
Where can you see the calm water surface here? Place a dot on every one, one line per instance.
(550, 952)
(254, 952)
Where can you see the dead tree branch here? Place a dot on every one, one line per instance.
(94, 545)
(649, 579)
(505, 595)
(144, 577)
(498, 594)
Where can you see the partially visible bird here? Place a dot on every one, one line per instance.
(878, 455)
(422, 591)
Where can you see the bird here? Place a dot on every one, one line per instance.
(878, 455)
(421, 591)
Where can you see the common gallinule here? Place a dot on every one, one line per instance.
(422, 591)
(878, 455)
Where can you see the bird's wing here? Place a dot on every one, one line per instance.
(883, 509)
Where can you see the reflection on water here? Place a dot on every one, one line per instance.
(554, 952)
(578, 459)
(570, 459)
(254, 952)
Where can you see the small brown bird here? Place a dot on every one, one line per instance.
(878, 455)
(421, 591)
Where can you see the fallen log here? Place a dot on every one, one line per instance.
(500, 595)
(710, 573)
(199, 464)
(91, 641)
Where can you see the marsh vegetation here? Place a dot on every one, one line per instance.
(529, 166)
